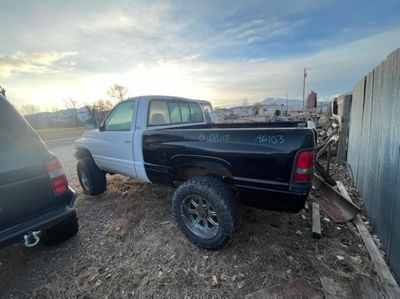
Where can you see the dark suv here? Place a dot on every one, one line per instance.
(36, 202)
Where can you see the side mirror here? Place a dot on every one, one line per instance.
(101, 128)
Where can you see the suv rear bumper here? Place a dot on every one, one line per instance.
(42, 222)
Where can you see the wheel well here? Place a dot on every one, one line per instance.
(184, 172)
(82, 153)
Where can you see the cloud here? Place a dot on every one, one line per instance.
(333, 70)
(224, 51)
(224, 82)
(262, 30)
(36, 62)
(249, 33)
(113, 37)
(147, 18)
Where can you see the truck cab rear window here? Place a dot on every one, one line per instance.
(163, 112)
(196, 115)
(185, 112)
(174, 112)
(158, 113)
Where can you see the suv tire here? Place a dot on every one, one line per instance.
(91, 178)
(206, 212)
(61, 232)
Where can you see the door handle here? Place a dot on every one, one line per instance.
(127, 141)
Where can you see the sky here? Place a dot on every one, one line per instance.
(222, 51)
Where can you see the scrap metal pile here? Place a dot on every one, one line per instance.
(334, 204)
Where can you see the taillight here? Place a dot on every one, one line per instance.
(304, 167)
(57, 176)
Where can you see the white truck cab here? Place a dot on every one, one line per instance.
(116, 146)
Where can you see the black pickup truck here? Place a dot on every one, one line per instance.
(170, 141)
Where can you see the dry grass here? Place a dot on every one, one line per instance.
(129, 246)
(59, 133)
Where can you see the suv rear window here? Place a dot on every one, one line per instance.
(163, 112)
(12, 126)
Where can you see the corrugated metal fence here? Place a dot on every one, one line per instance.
(374, 150)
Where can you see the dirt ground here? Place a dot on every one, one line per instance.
(128, 246)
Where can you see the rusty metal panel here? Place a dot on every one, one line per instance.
(374, 151)
(380, 180)
(357, 105)
(394, 241)
(364, 142)
(374, 157)
(393, 159)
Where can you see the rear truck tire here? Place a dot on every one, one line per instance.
(61, 232)
(206, 212)
(91, 178)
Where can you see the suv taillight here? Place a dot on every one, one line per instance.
(57, 176)
(304, 167)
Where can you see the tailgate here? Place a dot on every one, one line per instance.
(269, 154)
(25, 191)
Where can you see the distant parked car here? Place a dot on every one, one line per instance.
(36, 202)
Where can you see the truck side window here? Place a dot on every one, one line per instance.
(196, 115)
(158, 113)
(207, 112)
(163, 112)
(120, 119)
(174, 112)
(185, 112)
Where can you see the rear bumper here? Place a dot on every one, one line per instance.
(274, 200)
(42, 222)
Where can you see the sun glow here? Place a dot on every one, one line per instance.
(163, 78)
(158, 79)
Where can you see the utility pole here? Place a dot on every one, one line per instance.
(304, 86)
(287, 106)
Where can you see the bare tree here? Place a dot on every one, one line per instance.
(29, 109)
(56, 115)
(103, 107)
(2, 91)
(117, 92)
(99, 110)
(72, 106)
(92, 111)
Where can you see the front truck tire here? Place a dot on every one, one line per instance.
(91, 178)
(61, 232)
(206, 212)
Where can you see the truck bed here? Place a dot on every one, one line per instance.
(257, 158)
